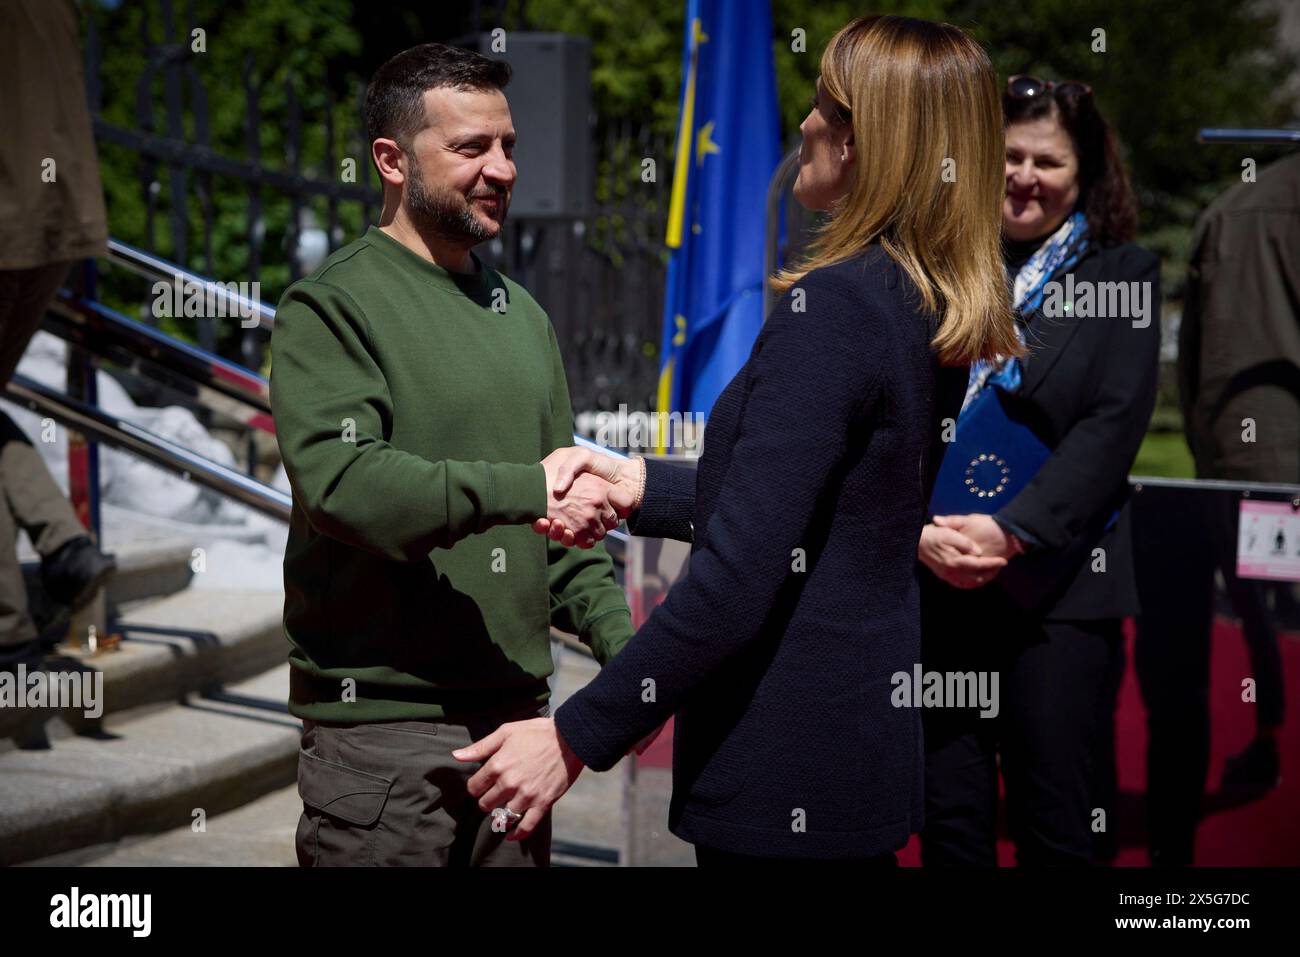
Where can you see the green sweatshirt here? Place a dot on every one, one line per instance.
(413, 406)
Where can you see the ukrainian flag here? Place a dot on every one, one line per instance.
(728, 147)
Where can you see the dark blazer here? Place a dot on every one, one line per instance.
(1089, 388)
(776, 650)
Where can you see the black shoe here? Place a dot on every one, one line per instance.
(28, 654)
(52, 626)
(1253, 771)
(51, 618)
(30, 735)
(76, 572)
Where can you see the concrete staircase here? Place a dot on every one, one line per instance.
(194, 716)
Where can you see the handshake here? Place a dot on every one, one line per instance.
(587, 494)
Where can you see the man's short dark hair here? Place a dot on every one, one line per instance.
(395, 97)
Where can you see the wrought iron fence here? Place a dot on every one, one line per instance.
(600, 278)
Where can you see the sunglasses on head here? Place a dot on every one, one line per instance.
(1022, 87)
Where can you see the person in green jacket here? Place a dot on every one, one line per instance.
(418, 396)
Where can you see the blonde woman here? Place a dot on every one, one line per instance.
(776, 653)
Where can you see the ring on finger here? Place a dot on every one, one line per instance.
(510, 817)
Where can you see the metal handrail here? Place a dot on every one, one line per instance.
(149, 266)
(1140, 482)
(97, 328)
(121, 434)
(1210, 134)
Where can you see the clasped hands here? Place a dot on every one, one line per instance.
(587, 494)
(966, 551)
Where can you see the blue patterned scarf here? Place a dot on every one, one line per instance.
(1061, 251)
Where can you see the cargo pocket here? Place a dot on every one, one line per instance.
(342, 807)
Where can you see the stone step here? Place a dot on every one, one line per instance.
(149, 569)
(149, 770)
(187, 642)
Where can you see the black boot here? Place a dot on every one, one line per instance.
(76, 572)
(30, 734)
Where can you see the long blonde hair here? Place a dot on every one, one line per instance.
(929, 180)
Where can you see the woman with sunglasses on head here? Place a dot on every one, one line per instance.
(1049, 621)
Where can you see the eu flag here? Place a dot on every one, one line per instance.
(728, 146)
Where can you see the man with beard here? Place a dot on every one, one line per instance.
(417, 393)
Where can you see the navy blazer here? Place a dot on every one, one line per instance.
(801, 601)
(1090, 387)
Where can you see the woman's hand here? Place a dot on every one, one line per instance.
(572, 468)
(955, 557)
(985, 532)
(527, 767)
(582, 515)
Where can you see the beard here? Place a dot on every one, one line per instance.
(448, 214)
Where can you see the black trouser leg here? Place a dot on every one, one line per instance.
(1175, 571)
(961, 771)
(1055, 681)
(1105, 843)
(1055, 692)
(961, 790)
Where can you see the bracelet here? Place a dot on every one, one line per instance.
(640, 491)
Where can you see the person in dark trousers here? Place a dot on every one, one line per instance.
(780, 649)
(1049, 623)
(51, 215)
(1239, 389)
(416, 392)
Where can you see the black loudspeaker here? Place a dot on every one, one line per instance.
(550, 104)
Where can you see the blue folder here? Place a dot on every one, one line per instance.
(992, 457)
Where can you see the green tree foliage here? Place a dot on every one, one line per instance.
(278, 43)
(1169, 67)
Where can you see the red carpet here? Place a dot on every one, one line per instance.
(1262, 833)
